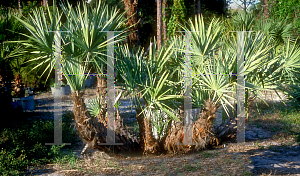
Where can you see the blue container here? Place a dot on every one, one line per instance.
(28, 102)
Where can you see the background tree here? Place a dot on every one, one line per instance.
(265, 8)
(131, 6)
(208, 8)
(159, 20)
(164, 20)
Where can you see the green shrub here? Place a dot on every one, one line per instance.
(24, 144)
(11, 163)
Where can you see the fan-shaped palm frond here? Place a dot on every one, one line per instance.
(279, 31)
(76, 82)
(243, 21)
(204, 39)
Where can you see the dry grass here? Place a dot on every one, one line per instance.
(233, 159)
(210, 162)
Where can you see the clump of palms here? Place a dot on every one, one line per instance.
(85, 51)
(155, 81)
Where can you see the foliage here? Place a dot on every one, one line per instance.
(293, 92)
(24, 144)
(243, 21)
(157, 78)
(177, 16)
(86, 38)
(9, 26)
(288, 9)
(280, 31)
(95, 106)
(205, 40)
(11, 163)
(27, 8)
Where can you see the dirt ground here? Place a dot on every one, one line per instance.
(265, 152)
(228, 158)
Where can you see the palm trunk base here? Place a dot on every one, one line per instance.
(93, 132)
(202, 133)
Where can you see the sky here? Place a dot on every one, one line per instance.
(235, 4)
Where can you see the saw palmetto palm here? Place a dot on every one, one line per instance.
(243, 21)
(205, 39)
(84, 35)
(40, 41)
(280, 31)
(87, 31)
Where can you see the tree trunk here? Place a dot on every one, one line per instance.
(86, 126)
(164, 22)
(132, 6)
(199, 7)
(19, 4)
(148, 143)
(265, 13)
(101, 95)
(202, 134)
(18, 86)
(158, 3)
(93, 132)
(44, 3)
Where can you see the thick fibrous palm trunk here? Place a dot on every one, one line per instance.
(86, 126)
(202, 134)
(93, 132)
(148, 144)
(19, 91)
(151, 144)
(101, 95)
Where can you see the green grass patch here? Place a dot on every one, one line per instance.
(189, 167)
(279, 118)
